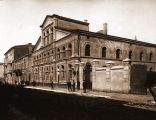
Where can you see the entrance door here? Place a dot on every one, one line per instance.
(87, 75)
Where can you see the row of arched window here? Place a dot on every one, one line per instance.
(48, 56)
(117, 53)
(47, 36)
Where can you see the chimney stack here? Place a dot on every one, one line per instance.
(105, 28)
(86, 20)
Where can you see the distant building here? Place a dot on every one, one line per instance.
(11, 56)
(1, 70)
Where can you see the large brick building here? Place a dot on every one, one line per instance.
(66, 50)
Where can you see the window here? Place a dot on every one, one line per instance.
(87, 50)
(141, 56)
(150, 56)
(63, 52)
(130, 55)
(58, 53)
(104, 52)
(118, 51)
(70, 49)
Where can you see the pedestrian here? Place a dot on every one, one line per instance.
(70, 86)
(73, 85)
(78, 85)
(52, 85)
(84, 86)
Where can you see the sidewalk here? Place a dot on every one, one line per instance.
(131, 98)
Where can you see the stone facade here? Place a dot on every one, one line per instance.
(67, 51)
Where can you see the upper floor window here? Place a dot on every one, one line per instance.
(141, 56)
(70, 49)
(150, 56)
(63, 51)
(87, 50)
(118, 51)
(130, 55)
(104, 52)
(58, 53)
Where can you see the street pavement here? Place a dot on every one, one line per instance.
(134, 99)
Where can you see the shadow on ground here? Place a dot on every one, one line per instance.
(18, 103)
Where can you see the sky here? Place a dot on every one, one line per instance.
(20, 20)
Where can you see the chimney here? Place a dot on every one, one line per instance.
(105, 28)
(86, 20)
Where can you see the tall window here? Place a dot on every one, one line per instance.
(150, 56)
(87, 50)
(63, 52)
(104, 52)
(118, 51)
(58, 53)
(47, 37)
(130, 55)
(70, 49)
(141, 56)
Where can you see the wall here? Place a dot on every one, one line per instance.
(114, 79)
(124, 79)
(111, 47)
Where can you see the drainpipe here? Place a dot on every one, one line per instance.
(79, 37)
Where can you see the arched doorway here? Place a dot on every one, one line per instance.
(87, 75)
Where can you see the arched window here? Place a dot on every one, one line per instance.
(141, 56)
(58, 53)
(150, 56)
(130, 55)
(47, 37)
(118, 51)
(70, 49)
(87, 50)
(63, 52)
(104, 52)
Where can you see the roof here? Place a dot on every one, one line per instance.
(38, 41)
(113, 38)
(16, 46)
(108, 37)
(64, 18)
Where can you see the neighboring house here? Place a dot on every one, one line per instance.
(1, 71)
(11, 55)
(67, 49)
(22, 69)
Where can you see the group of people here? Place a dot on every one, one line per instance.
(72, 86)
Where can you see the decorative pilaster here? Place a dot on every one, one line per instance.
(81, 67)
(95, 63)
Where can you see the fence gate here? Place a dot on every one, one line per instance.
(138, 79)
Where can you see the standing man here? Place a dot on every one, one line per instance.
(78, 85)
(84, 86)
(52, 85)
(73, 85)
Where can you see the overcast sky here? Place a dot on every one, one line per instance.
(20, 19)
